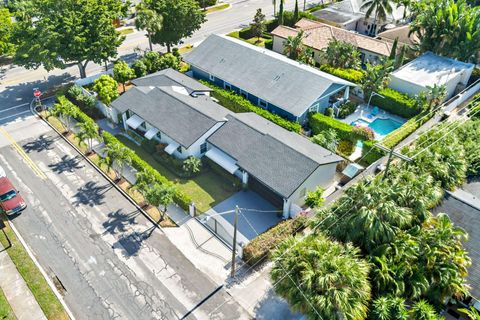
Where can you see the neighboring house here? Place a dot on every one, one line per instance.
(401, 33)
(349, 15)
(428, 70)
(317, 36)
(266, 78)
(280, 165)
(174, 110)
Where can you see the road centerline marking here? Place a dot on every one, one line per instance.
(23, 154)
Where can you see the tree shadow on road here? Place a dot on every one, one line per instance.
(119, 221)
(91, 194)
(67, 164)
(131, 243)
(43, 143)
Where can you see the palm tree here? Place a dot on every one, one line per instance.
(116, 157)
(389, 308)
(421, 310)
(381, 9)
(376, 77)
(321, 278)
(407, 6)
(435, 95)
(293, 46)
(158, 195)
(64, 110)
(149, 21)
(471, 313)
(88, 131)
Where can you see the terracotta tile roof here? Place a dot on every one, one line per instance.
(318, 35)
(401, 33)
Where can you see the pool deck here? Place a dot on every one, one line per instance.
(363, 111)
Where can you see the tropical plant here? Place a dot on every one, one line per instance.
(307, 56)
(435, 95)
(122, 73)
(389, 308)
(148, 20)
(340, 54)
(314, 199)
(292, 46)
(68, 31)
(181, 18)
(407, 6)
(471, 313)
(144, 181)
(421, 310)
(88, 131)
(192, 165)
(381, 8)
(65, 111)
(258, 26)
(376, 78)
(116, 157)
(322, 279)
(107, 88)
(160, 194)
(448, 28)
(468, 133)
(327, 139)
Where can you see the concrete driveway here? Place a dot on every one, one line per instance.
(256, 216)
(111, 261)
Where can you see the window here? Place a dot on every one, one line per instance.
(212, 77)
(262, 103)
(159, 135)
(203, 148)
(243, 94)
(227, 86)
(179, 149)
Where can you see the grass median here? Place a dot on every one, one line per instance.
(34, 279)
(6, 312)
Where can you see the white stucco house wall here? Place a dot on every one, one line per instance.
(428, 70)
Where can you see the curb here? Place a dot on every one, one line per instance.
(102, 173)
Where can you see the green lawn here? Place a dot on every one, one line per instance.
(6, 312)
(257, 42)
(206, 189)
(34, 279)
(218, 8)
(125, 31)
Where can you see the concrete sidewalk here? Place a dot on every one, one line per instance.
(18, 295)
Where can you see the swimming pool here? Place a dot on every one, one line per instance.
(381, 127)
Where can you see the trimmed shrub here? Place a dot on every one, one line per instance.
(346, 109)
(139, 164)
(345, 148)
(397, 103)
(329, 112)
(269, 44)
(239, 104)
(352, 75)
(246, 33)
(319, 122)
(289, 17)
(260, 248)
(370, 154)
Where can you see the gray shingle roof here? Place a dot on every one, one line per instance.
(266, 74)
(280, 159)
(182, 117)
(170, 77)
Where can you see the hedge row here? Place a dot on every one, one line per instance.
(239, 104)
(320, 123)
(352, 75)
(396, 103)
(80, 115)
(139, 164)
(261, 247)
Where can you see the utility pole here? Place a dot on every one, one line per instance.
(391, 152)
(234, 247)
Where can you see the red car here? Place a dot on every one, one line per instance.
(10, 199)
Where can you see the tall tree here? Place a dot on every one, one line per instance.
(159, 195)
(380, 8)
(376, 78)
(116, 157)
(393, 51)
(341, 54)
(148, 20)
(6, 30)
(181, 18)
(321, 278)
(69, 31)
(88, 131)
(258, 26)
(280, 12)
(65, 111)
(122, 73)
(449, 28)
(107, 88)
(295, 12)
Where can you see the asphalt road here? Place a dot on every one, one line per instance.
(110, 259)
(17, 83)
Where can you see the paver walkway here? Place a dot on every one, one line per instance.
(18, 295)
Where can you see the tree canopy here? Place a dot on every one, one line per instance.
(448, 28)
(180, 19)
(6, 30)
(68, 31)
(340, 54)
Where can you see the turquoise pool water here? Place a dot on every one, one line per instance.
(381, 127)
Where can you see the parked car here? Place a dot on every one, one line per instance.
(10, 199)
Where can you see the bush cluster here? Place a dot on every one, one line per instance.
(346, 109)
(397, 103)
(345, 148)
(239, 104)
(206, 3)
(80, 116)
(260, 248)
(352, 75)
(319, 123)
(140, 165)
(87, 103)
